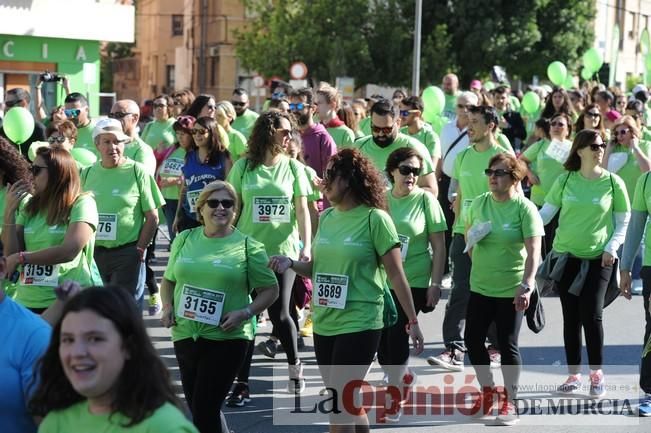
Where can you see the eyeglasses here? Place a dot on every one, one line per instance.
(497, 172)
(72, 112)
(214, 203)
(160, 105)
(118, 115)
(405, 113)
(297, 107)
(596, 147)
(405, 170)
(199, 132)
(386, 130)
(56, 139)
(558, 124)
(622, 131)
(284, 132)
(239, 104)
(593, 114)
(36, 169)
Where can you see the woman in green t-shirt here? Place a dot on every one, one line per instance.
(594, 212)
(159, 133)
(503, 234)
(51, 237)
(355, 244)
(225, 115)
(590, 118)
(102, 373)
(206, 291)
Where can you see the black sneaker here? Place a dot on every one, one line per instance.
(239, 395)
(268, 348)
(300, 343)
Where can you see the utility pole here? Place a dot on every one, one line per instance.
(415, 73)
(202, 46)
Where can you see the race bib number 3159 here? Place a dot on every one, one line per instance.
(271, 210)
(201, 305)
(40, 275)
(331, 290)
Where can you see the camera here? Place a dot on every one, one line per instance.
(49, 77)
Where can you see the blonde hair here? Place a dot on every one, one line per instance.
(330, 94)
(217, 185)
(226, 110)
(627, 121)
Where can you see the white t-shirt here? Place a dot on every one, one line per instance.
(449, 134)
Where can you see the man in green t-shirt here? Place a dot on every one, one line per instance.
(450, 87)
(77, 111)
(411, 115)
(327, 103)
(245, 117)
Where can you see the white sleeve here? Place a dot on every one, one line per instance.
(547, 212)
(452, 190)
(621, 223)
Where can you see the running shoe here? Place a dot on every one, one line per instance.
(644, 409)
(450, 359)
(637, 286)
(571, 385)
(508, 415)
(296, 383)
(484, 403)
(306, 330)
(155, 304)
(597, 384)
(239, 396)
(495, 356)
(268, 348)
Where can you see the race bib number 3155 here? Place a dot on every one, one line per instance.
(271, 210)
(331, 290)
(201, 305)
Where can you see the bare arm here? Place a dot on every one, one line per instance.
(148, 229)
(429, 183)
(532, 246)
(439, 255)
(304, 226)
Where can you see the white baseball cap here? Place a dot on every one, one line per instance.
(110, 126)
(639, 88)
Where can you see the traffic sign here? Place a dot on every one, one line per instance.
(298, 71)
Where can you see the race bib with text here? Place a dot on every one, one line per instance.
(201, 305)
(330, 290)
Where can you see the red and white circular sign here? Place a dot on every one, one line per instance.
(298, 71)
(258, 81)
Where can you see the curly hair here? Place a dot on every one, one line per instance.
(13, 166)
(262, 137)
(366, 183)
(144, 382)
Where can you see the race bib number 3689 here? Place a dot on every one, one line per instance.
(201, 305)
(331, 290)
(271, 209)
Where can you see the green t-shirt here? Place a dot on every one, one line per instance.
(157, 131)
(237, 144)
(141, 152)
(342, 135)
(585, 222)
(77, 418)
(171, 168)
(365, 126)
(123, 195)
(545, 167)
(450, 108)
(346, 260)
(416, 216)
(36, 288)
(502, 251)
(244, 123)
(428, 137)
(631, 171)
(503, 141)
(267, 196)
(378, 155)
(233, 265)
(85, 138)
(642, 203)
(469, 167)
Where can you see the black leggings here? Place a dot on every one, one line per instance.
(645, 365)
(207, 370)
(584, 311)
(481, 311)
(281, 318)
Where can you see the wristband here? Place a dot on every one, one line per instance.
(22, 258)
(410, 324)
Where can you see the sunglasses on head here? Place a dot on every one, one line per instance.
(214, 203)
(297, 107)
(593, 114)
(622, 131)
(72, 112)
(497, 172)
(56, 139)
(405, 113)
(238, 104)
(596, 147)
(118, 115)
(559, 124)
(405, 170)
(386, 130)
(36, 169)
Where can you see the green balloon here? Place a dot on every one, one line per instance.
(556, 72)
(647, 62)
(489, 85)
(593, 60)
(531, 102)
(83, 156)
(586, 74)
(434, 100)
(18, 125)
(31, 152)
(569, 82)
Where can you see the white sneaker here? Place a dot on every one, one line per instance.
(296, 383)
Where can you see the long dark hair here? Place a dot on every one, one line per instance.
(263, 136)
(566, 107)
(582, 139)
(144, 383)
(366, 183)
(579, 125)
(13, 165)
(197, 105)
(217, 147)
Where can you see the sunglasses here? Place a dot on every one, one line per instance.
(238, 104)
(464, 106)
(497, 172)
(284, 132)
(211, 107)
(214, 203)
(72, 112)
(199, 132)
(593, 114)
(297, 107)
(56, 139)
(118, 116)
(596, 147)
(558, 124)
(386, 131)
(405, 113)
(10, 104)
(36, 169)
(160, 105)
(405, 170)
(622, 131)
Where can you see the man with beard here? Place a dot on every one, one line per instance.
(318, 145)
(468, 182)
(245, 117)
(76, 109)
(385, 138)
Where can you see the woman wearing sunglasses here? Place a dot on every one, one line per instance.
(421, 226)
(207, 161)
(503, 234)
(206, 295)
(590, 118)
(159, 133)
(51, 239)
(593, 209)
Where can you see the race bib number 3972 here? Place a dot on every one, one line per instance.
(271, 209)
(201, 305)
(331, 290)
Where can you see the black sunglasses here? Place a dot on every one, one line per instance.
(118, 115)
(238, 104)
(56, 139)
(405, 170)
(36, 169)
(596, 147)
(497, 172)
(10, 104)
(214, 203)
(593, 114)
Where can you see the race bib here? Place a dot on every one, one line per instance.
(172, 167)
(558, 151)
(40, 275)
(271, 210)
(404, 246)
(201, 305)
(107, 229)
(331, 290)
(193, 196)
(616, 161)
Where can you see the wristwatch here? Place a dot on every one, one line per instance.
(526, 287)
